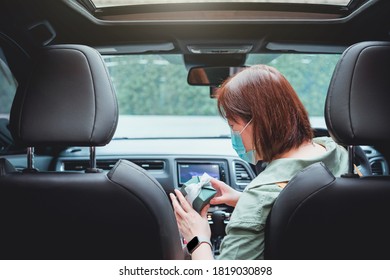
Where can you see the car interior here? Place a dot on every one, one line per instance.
(107, 106)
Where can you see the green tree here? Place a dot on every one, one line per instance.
(156, 85)
(310, 76)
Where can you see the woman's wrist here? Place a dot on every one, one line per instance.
(237, 197)
(203, 252)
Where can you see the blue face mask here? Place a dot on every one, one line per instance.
(239, 147)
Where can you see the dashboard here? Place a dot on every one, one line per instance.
(171, 161)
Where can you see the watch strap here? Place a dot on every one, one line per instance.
(196, 242)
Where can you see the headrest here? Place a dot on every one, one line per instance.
(357, 107)
(68, 100)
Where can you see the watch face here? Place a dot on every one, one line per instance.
(192, 244)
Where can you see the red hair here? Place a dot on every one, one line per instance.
(279, 119)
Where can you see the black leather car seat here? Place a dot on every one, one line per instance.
(318, 216)
(69, 100)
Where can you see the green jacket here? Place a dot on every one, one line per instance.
(245, 231)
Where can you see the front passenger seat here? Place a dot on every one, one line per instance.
(69, 100)
(318, 216)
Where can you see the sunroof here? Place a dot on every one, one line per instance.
(111, 3)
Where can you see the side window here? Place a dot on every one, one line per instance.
(8, 86)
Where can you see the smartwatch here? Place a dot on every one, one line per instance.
(195, 243)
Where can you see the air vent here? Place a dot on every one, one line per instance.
(242, 174)
(150, 164)
(108, 164)
(81, 165)
(76, 165)
(377, 167)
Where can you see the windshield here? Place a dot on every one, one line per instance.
(155, 100)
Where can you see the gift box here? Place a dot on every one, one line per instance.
(198, 191)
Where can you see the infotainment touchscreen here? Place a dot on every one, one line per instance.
(189, 170)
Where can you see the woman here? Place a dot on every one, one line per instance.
(268, 123)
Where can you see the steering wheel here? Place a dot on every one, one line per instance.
(362, 162)
(360, 157)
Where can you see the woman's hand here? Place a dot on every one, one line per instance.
(225, 194)
(189, 221)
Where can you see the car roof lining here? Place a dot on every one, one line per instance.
(369, 22)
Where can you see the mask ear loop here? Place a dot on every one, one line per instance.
(245, 126)
(254, 148)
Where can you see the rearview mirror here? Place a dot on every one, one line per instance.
(211, 76)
